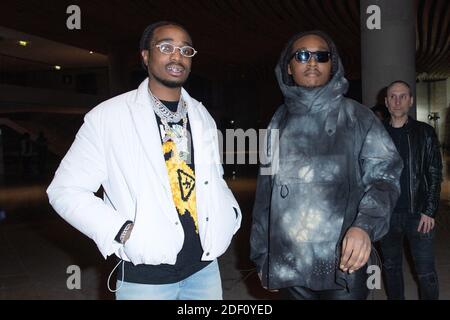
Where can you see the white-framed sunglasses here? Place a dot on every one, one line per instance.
(168, 48)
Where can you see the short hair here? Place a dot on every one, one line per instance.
(400, 82)
(147, 35)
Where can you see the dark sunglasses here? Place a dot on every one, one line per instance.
(303, 56)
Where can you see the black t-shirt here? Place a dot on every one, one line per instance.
(182, 183)
(400, 138)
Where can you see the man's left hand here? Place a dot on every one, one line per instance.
(356, 248)
(426, 224)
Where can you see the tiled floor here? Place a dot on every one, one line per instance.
(37, 247)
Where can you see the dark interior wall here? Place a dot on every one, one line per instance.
(87, 81)
(78, 80)
(355, 90)
(248, 101)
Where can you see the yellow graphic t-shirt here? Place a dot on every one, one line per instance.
(182, 182)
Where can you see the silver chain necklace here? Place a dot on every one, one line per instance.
(176, 133)
(164, 113)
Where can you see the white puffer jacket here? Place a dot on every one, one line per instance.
(119, 147)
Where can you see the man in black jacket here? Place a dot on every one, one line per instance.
(417, 205)
(334, 184)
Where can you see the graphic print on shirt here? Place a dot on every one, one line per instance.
(182, 182)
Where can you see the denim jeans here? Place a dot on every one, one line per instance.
(422, 251)
(202, 285)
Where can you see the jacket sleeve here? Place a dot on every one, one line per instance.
(380, 166)
(226, 190)
(260, 221)
(78, 177)
(433, 174)
(259, 235)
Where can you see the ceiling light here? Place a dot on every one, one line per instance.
(91, 52)
(57, 67)
(23, 43)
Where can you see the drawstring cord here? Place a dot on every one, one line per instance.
(123, 274)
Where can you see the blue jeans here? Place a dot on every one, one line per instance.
(202, 285)
(422, 251)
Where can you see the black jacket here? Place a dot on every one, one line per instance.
(333, 167)
(425, 168)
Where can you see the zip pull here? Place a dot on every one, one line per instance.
(284, 192)
(123, 275)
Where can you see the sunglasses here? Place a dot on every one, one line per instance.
(303, 56)
(168, 48)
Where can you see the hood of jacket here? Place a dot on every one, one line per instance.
(304, 100)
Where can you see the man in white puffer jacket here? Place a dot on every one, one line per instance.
(167, 213)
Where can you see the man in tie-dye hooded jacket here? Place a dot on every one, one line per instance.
(328, 184)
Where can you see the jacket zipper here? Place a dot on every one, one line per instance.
(410, 174)
(135, 210)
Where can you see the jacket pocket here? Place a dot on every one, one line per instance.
(309, 199)
(154, 239)
(225, 217)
